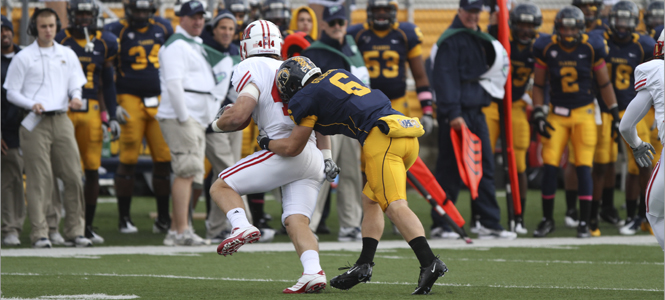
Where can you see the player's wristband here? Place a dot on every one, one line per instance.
(104, 116)
(264, 142)
(214, 127)
(326, 153)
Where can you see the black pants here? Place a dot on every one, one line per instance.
(447, 173)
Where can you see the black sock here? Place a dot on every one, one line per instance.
(256, 203)
(571, 199)
(368, 251)
(631, 207)
(594, 210)
(608, 198)
(642, 210)
(585, 212)
(163, 209)
(422, 250)
(89, 214)
(548, 208)
(123, 206)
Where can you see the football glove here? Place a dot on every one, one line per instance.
(331, 169)
(644, 154)
(539, 119)
(263, 140)
(114, 126)
(428, 123)
(616, 135)
(121, 115)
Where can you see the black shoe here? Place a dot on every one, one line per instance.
(583, 231)
(545, 227)
(611, 215)
(429, 275)
(263, 224)
(161, 226)
(356, 274)
(322, 229)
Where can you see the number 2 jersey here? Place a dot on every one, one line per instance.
(105, 49)
(337, 102)
(137, 66)
(386, 53)
(571, 71)
(270, 114)
(649, 76)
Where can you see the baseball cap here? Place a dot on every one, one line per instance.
(191, 8)
(7, 23)
(471, 4)
(334, 13)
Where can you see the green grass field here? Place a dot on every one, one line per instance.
(257, 272)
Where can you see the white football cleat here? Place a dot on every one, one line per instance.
(56, 238)
(238, 237)
(308, 283)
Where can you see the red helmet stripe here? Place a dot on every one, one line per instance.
(268, 26)
(263, 31)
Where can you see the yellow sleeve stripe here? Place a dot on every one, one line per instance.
(308, 121)
(415, 51)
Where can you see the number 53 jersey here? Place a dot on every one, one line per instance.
(137, 64)
(571, 71)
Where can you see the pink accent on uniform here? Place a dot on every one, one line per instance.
(105, 116)
(427, 95)
(548, 197)
(599, 66)
(586, 198)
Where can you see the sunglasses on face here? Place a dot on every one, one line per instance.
(339, 22)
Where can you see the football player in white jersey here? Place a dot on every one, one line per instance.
(649, 80)
(299, 177)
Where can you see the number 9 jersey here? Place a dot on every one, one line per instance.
(137, 63)
(571, 70)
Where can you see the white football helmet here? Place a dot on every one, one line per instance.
(658, 49)
(261, 37)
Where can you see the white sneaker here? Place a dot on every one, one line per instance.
(487, 234)
(476, 228)
(42, 243)
(267, 235)
(189, 238)
(93, 236)
(79, 241)
(56, 239)
(238, 237)
(519, 229)
(125, 225)
(169, 240)
(571, 223)
(308, 283)
(631, 227)
(11, 240)
(349, 234)
(439, 233)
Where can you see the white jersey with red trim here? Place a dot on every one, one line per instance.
(270, 113)
(649, 76)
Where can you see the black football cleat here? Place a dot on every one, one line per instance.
(429, 275)
(583, 231)
(355, 274)
(545, 227)
(611, 215)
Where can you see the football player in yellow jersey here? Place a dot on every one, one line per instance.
(387, 45)
(140, 36)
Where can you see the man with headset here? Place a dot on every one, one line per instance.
(44, 86)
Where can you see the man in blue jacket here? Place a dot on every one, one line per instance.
(463, 55)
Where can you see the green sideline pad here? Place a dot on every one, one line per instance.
(572, 272)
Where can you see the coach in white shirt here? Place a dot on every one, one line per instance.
(42, 79)
(186, 109)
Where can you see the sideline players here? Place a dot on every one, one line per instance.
(572, 59)
(96, 51)
(140, 37)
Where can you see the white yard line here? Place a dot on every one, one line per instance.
(81, 297)
(640, 240)
(372, 282)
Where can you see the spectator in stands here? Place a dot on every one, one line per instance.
(13, 204)
(42, 79)
(459, 62)
(305, 20)
(336, 50)
(186, 79)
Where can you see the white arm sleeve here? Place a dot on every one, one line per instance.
(636, 110)
(177, 98)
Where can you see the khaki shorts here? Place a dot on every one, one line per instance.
(187, 144)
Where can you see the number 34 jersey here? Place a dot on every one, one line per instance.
(137, 64)
(386, 53)
(571, 71)
(338, 102)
